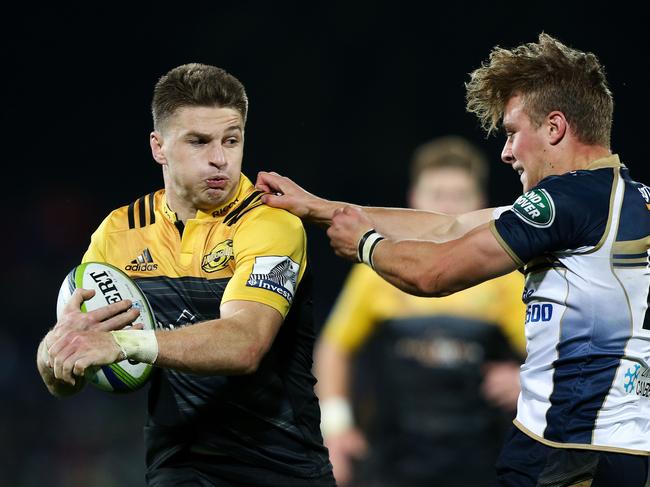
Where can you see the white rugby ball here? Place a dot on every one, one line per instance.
(111, 285)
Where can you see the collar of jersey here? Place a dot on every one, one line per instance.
(218, 212)
(609, 161)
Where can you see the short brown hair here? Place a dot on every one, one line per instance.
(200, 85)
(450, 151)
(549, 76)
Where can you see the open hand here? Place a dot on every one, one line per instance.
(283, 193)
(74, 352)
(111, 317)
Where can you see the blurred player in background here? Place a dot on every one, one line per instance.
(232, 397)
(439, 378)
(580, 231)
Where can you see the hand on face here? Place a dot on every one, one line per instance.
(283, 193)
(349, 224)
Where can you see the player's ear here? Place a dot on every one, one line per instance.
(557, 126)
(156, 144)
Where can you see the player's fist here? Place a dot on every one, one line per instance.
(349, 224)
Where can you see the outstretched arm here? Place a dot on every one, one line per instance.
(398, 223)
(423, 268)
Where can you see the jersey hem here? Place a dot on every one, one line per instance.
(579, 446)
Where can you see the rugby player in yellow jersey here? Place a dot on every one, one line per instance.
(231, 400)
(431, 380)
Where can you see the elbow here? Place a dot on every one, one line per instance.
(430, 283)
(249, 360)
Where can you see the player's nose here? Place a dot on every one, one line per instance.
(506, 154)
(218, 155)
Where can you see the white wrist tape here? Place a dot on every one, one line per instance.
(138, 345)
(335, 416)
(366, 246)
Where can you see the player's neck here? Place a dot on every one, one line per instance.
(578, 155)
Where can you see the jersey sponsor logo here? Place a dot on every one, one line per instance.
(185, 318)
(536, 313)
(106, 286)
(143, 262)
(536, 208)
(440, 352)
(637, 381)
(225, 209)
(278, 274)
(218, 258)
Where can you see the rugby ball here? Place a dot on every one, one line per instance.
(111, 285)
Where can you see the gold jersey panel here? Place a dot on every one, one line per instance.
(258, 250)
(367, 300)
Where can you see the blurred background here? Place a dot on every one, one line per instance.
(340, 94)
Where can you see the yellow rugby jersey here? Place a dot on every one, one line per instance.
(419, 365)
(230, 242)
(367, 301)
(243, 250)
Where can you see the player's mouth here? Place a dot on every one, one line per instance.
(217, 182)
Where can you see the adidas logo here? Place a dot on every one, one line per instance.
(143, 262)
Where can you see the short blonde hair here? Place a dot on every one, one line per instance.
(549, 76)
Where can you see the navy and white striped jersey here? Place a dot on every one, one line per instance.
(582, 239)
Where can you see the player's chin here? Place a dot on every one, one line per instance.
(212, 197)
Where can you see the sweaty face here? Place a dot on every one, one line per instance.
(201, 150)
(447, 190)
(525, 147)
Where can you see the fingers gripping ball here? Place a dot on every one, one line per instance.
(110, 285)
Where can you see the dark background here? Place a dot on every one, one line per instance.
(340, 94)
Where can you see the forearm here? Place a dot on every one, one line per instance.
(426, 268)
(415, 267)
(332, 370)
(405, 223)
(56, 387)
(212, 347)
(320, 211)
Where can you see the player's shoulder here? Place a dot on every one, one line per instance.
(582, 185)
(583, 194)
(258, 214)
(138, 213)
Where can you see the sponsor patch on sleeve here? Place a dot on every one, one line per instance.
(536, 208)
(275, 273)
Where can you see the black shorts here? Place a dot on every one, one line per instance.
(196, 470)
(525, 462)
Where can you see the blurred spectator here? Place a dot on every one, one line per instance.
(419, 391)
